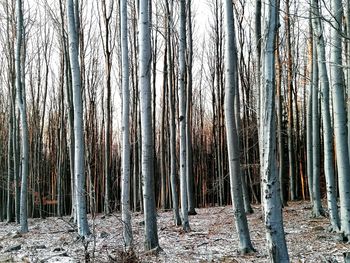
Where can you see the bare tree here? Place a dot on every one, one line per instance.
(317, 209)
(126, 217)
(326, 117)
(171, 95)
(11, 145)
(291, 153)
(22, 105)
(270, 184)
(79, 154)
(340, 129)
(107, 48)
(231, 88)
(189, 158)
(151, 233)
(182, 114)
(309, 111)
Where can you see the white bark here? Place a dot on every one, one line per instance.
(151, 234)
(21, 102)
(182, 114)
(231, 82)
(326, 116)
(347, 15)
(270, 184)
(125, 198)
(340, 130)
(79, 154)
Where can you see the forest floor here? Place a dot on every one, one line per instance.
(212, 239)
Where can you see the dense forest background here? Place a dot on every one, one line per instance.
(48, 104)
(147, 105)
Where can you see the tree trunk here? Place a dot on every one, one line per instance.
(68, 81)
(246, 201)
(174, 196)
(309, 130)
(61, 140)
(182, 114)
(340, 131)
(135, 118)
(326, 116)
(280, 136)
(10, 165)
(291, 154)
(317, 209)
(79, 154)
(163, 131)
(258, 43)
(16, 166)
(106, 17)
(232, 135)
(21, 102)
(126, 217)
(347, 15)
(270, 184)
(189, 161)
(151, 234)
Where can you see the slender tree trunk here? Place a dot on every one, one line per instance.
(106, 17)
(139, 150)
(281, 167)
(326, 116)
(347, 15)
(245, 244)
(154, 52)
(340, 131)
(10, 164)
(244, 80)
(317, 209)
(163, 131)
(79, 162)
(11, 144)
(309, 130)
(246, 201)
(126, 217)
(271, 186)
(182, 114)
(136, 139)
(189, 161)
(171, 96)
(2, 199)
(61, 141)
(107, 157)
(258, 43)
(291, 154)
(16, 166)
(68, 83)
(21, 102)
(151, 233)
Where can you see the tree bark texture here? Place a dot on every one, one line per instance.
(151, 234)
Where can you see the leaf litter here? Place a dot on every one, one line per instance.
(212, 238)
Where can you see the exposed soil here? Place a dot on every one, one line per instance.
(212, 239)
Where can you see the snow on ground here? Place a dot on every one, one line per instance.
(212, 239)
